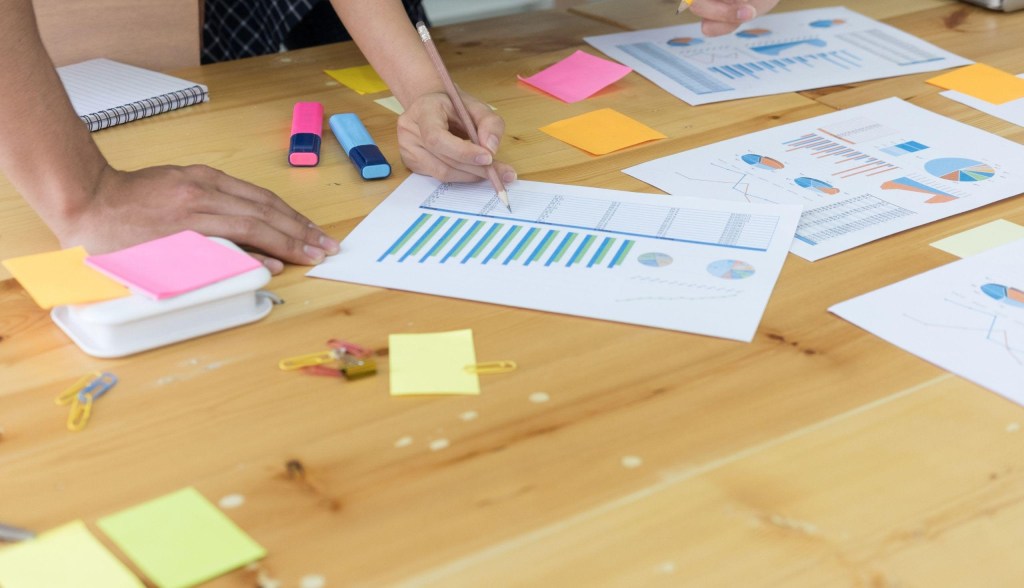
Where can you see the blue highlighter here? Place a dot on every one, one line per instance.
(359, 145)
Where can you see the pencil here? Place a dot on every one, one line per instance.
(460, 107)
(683, 5)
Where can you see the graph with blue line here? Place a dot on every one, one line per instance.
(445, 239)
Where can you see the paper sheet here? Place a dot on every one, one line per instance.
(173, 265)
(363, 79)
(982, 81)
(987, 236)
(779, 52)
(577, 77)
(862, 173)
(62, 277)
(432, 363)
(601, 131)
(684, 264)
(966, 317)
(392, 104)
(1012, 111)
(66, 557)
(180, 539)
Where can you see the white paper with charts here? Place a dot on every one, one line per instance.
(966, 317)
(781, 52)
(861, 174)
(685, 264)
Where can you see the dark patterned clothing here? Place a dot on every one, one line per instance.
(245, 28)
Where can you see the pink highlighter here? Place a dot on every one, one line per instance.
(307, 124)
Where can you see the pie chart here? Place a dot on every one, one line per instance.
(731, 269)
(655, 259)
(816, 185)
(762, 162)
(753, 33)
(685, 41)
(827, 23)
(959, 169)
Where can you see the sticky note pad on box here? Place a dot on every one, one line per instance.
(181, 539)
(984, 82)
(173, 265)
(601, 131)
(66, 557)
(62, 277)
(579, 76)
(432, 363)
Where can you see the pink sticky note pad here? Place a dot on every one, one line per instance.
(173, 265)
(578, 76)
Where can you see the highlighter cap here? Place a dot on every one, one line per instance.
(370, 161)
(304, 149)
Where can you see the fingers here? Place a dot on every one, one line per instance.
(721, 17)
(274, 265)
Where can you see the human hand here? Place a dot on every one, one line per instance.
(432, 140)
(128, 208)
(721, 17)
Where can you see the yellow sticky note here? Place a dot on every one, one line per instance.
(66, 557)
(61, 277)
(602, 131)
(983, 82)
(362, 79)
(983, 238)
(181, 539)
(432, 363)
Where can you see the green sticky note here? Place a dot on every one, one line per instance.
(362, 79)
(66, 557)
(983, 238)
(433, 363)
(180, 539)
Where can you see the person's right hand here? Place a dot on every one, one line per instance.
(721, 17)
(433, 142)
(128, 208)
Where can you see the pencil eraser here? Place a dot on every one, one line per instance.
(307, 126)
(359, 145)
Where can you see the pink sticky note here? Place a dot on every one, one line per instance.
(173, 265)
(577, 77)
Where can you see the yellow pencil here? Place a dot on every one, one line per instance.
(683, 5)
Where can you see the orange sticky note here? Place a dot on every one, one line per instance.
(983, 82)
(602, 131)
(61, 277)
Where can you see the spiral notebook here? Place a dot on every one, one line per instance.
(106, 93)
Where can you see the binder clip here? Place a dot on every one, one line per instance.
(81, 396)
(350, 361)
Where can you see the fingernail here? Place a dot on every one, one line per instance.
(274, 265)
(315, 254)
(483, 159)
(329, 245)
(508, 177)
(746, 12)
(492, 144)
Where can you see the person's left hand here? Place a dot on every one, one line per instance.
(433, 142)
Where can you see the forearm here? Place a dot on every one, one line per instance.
(45, 150)
(382, 30)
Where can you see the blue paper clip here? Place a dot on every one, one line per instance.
(81, 408)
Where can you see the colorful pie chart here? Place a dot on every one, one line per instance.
(762, 162)
(816, 186)
(655, 259)
(685, 41)
(959, 169)
(827, 23)
(731, 269)
(754, 33)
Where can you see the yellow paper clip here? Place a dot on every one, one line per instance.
(68, 395)
(82, 400)
(492, 367)
(319, 358)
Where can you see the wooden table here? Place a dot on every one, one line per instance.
(818, 455)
